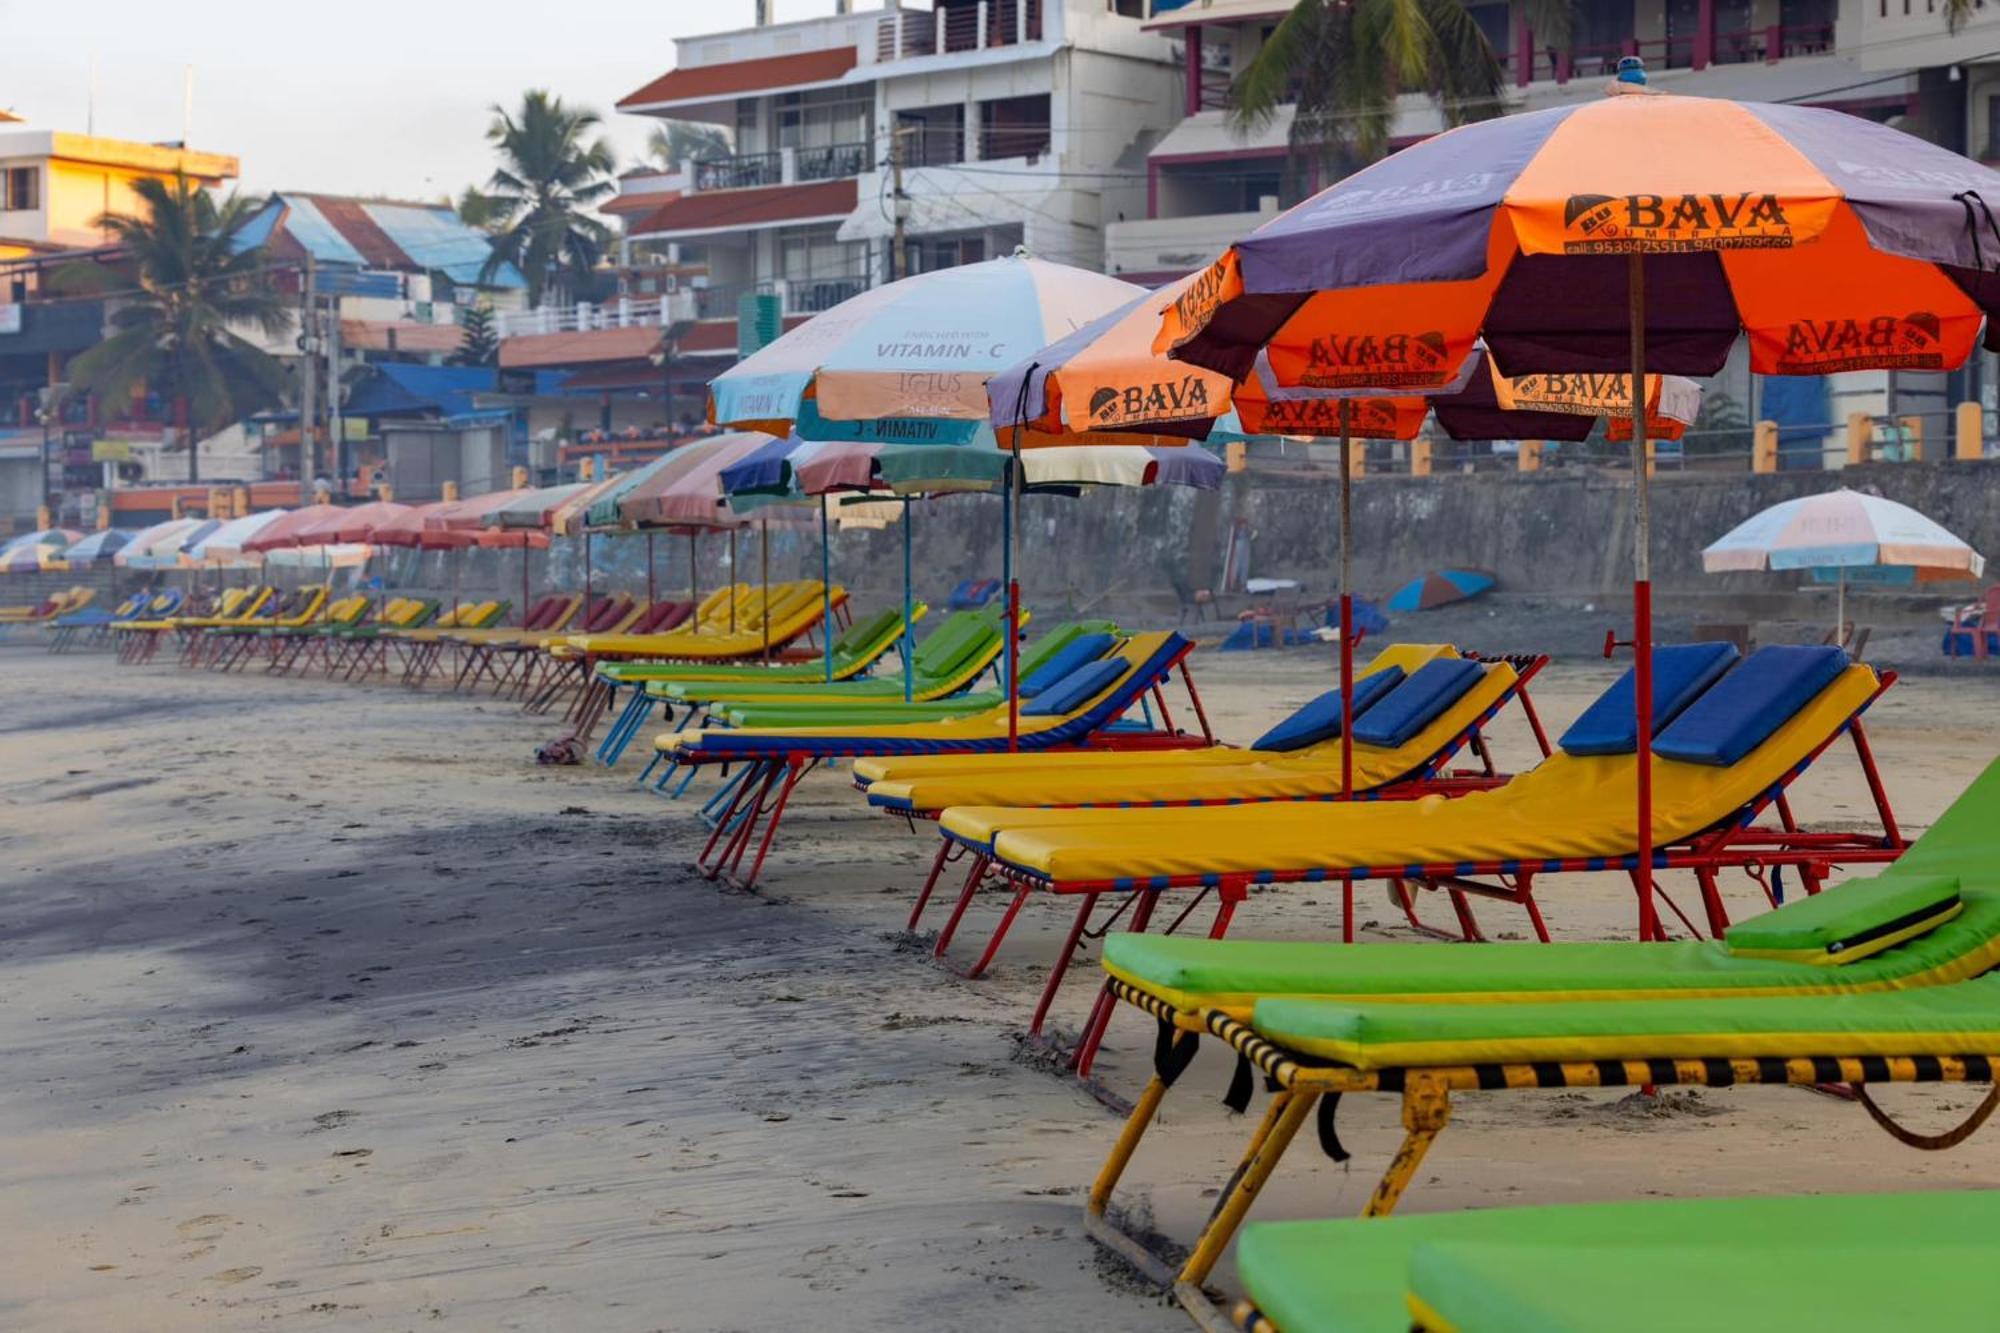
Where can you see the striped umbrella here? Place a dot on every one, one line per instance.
(1439, 588)
(224, 546)
(139, 553)
(98, 548)
(1841, 535)
(1629, 234)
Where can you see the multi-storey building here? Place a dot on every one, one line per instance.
(1011, 123)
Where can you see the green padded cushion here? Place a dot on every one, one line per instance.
(1787, 1283)
(864, 633)
(1959, 1019)
(1850, 920)
(1352, 1275)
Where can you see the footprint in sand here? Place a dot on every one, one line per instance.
(229, 1277)
(209, 1226)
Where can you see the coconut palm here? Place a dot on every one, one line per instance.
(1343, 63)
(182, 282)
(678, 141)
(548, 180)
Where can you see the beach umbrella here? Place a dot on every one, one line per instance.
(224, 546)
(283, 531)
(31, 554)
(1845, 534)
(457, 523)
(99, 547)
(1622, 235)
(140, 552)
(1439, 588)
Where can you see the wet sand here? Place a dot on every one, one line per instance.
(323, 1006)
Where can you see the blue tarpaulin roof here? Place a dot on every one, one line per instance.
(394, 389)
(359, 234)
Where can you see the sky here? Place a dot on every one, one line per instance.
(369, 97)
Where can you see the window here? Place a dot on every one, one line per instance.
(934, 135)
(22, 190)
(1014, 127)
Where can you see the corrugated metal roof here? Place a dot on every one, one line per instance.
(362, 233)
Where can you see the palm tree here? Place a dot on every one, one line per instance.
(1343, 62)
(547, 182)
(678, 141)
(475, 209)
(185, 281)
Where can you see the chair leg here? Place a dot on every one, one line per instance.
(1282, 1119)
(1061, 966)
(946, 853)
(973, 875)
(1426, 1111)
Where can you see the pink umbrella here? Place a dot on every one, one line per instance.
(283, 532)
(360, 523)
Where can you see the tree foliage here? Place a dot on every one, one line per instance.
(552, 173)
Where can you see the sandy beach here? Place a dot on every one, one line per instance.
(323, 1006)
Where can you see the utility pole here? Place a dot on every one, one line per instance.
(336, 426)
(308, 371)
(899, 204)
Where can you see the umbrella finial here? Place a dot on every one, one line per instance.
(1632, 69)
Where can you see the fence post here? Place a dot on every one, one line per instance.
(1357, 459)
(1764, 447)
(1860, 434)
(1420, 456)
(1236, 456)
(1530, 456)
(450, 491)
(1970, 423)
(520, 478)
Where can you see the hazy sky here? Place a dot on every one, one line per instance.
(344, 96)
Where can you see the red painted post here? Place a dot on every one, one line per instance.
(1524, 53)
(1704, 35)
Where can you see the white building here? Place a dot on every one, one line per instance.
(1017, 123)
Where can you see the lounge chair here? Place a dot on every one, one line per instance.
(794, 610)
(947, 661)
(422, 647)
(90, 626)
(1776, 1264)
(1092, 698)
(331, 645)
(1406, 733)
(1719, 764)
(476, 660)
(1886, 978)
(570, 667)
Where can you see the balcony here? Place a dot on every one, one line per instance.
(796, 296)
(583, 317)
(907, 34)
(786, 166)
(1746, 46)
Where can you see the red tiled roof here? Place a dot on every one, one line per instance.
(709, 336)
(714, 210)
(590, 347)
(639, 202)
(382, 335)
(703, 82)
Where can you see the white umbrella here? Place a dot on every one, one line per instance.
(1842, 533)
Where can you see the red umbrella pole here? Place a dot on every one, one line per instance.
(1346, 646)
(1642, 597)
(652, 578)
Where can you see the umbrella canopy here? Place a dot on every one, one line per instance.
(358, 524)
(569, 518)
(30, 554)
(284, 531)
(690, 493)
(983, 466)
(407, 528)
(460, 522)
(225, 544)
(904, 361)
(140, 552)
(533, 508)
(100, 546)
(1439, 588)
(1843, 529)
(170, 550)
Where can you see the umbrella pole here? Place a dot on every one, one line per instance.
(734, 581)
(909, 632)
(694, 585)
(1642, 595)
(1346, 643)
(764, 563)
(1840, 609)
(652, 577)
(825, 589)
(1013, 613)
(587, 579)
(527, 552)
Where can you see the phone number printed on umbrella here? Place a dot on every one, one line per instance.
(1884, 342)
(1669, 224)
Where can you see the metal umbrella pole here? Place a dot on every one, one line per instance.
(826, 587)
(733, 580)
(1642, 596)
(694, 584)
(764, 561)
(652, 575)
(1346, 642)
(909, 630)
(1013, 613)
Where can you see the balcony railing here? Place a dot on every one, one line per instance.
(738, 172)
(833, 162)
(1742, 46)
(584, 317)
(809, 296)
(977, 27)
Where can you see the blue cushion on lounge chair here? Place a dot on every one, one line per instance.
(1416, 703)
(1319, 720)
(1076, 689)
(1080, 651)
(1681, 671)
(1740, 711)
